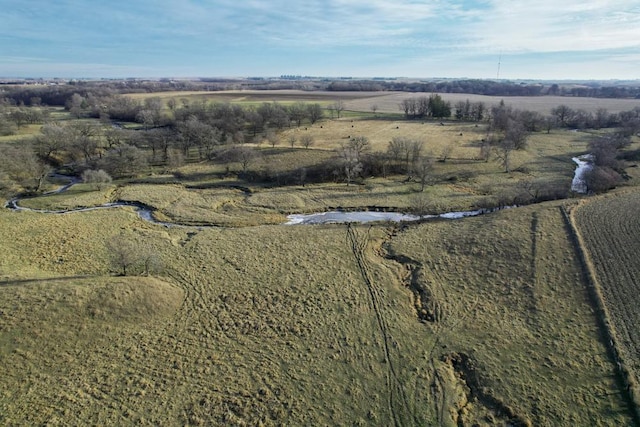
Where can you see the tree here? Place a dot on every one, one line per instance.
(601, 178)
(23, 167)
(195, 133)
(148, 118)
(563, 114)
(408, 106)
(123, 161)
(351, 155)
(485, 150)
(517, 134)
(423, 169)
(123, 253)
(99, 178)
(338, 107)
(298, 112)
(446, 152)
(351, 164)
(314, 113)
(374, 109)
(406, 150)
(306, 140)
(291, 139)
(129, 257)
(438, 107)
(242, 155)
(160, 139)
(76, 105)
(53, 139)
(172, 104)
(84, 141)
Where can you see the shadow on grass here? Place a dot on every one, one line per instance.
(17, 282)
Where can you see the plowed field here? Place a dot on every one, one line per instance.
(610, 228)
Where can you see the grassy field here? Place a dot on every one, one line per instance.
(480, 321)
(250, 325)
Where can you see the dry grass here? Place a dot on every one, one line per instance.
(307, 325)
(298, 325)
(511, 296)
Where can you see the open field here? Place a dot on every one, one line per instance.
(609, 226)
(541, 104)
(388, 102)
(243, 321)
(250, 325)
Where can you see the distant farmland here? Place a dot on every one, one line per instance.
(387, 102)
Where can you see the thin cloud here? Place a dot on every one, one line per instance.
(552, 26)
(376, 37)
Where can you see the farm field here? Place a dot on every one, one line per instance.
(387, 102)
(609, 227)
(481, 320)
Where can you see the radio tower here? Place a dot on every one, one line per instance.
(499, 60)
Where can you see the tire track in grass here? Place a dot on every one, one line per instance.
(199, 308)
(358, 246)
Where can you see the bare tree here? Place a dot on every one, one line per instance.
(423, 169)
(406, 150)
(446, 152)
(272, 138)
(243, 155)
(351, 155)
(98, 178)
(53, 139)
(485, 150)
(306, 140)
(129, 257)
(23, 167)
(123, 253)
(291, 139)
(338, 107)
(298, 112)
(314, 112)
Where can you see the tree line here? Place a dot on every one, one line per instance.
(58, 93)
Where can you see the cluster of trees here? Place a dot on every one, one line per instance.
(470, 111)
(20, 168)
(212, 130)
(606, 169)
(423, 107)
(627, 121)
(15, 117)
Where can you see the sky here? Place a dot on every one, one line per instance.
(487, 39)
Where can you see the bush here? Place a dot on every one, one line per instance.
(601, 178)
(99, 178)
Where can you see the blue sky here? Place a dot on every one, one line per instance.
(535, 39)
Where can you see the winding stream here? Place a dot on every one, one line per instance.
(578, 185)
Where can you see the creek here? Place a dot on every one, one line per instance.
(585, 163)
(578, 185)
